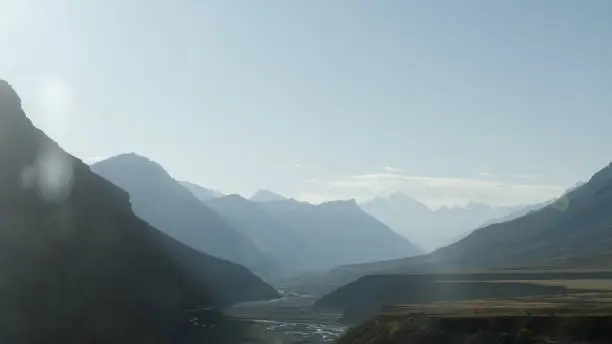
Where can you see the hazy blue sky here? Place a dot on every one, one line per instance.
(496, 101)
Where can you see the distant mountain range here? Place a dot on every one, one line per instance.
(433, 228)
(305, 236)
(76, 264)
(273, 237)
(266, 196)
(578, 223)
(269, 234)
(339, 232)
(168, 205)
(575, 228)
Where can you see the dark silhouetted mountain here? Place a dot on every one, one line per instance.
(340, 232)
(427, 227)
(266, 196)
(270, 235)
(167, 205)
(202, 193)
(76, 264)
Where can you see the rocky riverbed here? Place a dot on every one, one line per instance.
(289, 320)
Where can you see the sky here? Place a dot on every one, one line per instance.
(502, 102)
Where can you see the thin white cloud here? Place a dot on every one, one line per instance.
(436, 191)
(391, 169)
(485, 174)
(279, 165)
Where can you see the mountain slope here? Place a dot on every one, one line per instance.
(578, 223)
(270, 236)
(163, 202)
(514, 214)
(573, 228)
(427, 227)
(406, 216)
(202, 193)
(340, 232)
(76, 264)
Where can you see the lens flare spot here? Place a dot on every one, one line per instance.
(54, 175)
(562, 204)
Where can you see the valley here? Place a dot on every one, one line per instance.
(290, 319)
(537, 301)
(212, 172)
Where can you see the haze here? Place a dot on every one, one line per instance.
(486, 102)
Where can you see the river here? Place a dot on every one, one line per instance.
(290, 320)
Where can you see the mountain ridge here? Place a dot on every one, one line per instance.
(574, 226)
(76, 264)
(263, 195)
(324, 225)
(202, 193)
(159, 199)
(271, 236)
(431, 228)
